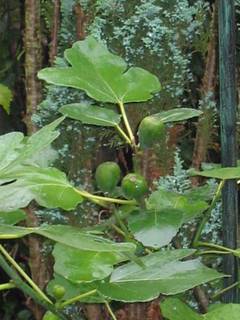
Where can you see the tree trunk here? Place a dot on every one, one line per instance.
(33, 60)
(33, 63)
(54, 33)
(206, 121)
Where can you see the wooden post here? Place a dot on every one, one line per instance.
(228, 94)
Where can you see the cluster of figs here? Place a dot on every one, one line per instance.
(133, 185)
(108, 175)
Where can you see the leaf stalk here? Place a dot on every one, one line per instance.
(24, 275)
(103, 200)
(110, 310)
(7, 286)
(77, 298)
(208, 213)
(123, 134)
(127, 125)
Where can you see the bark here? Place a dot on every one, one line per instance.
(54, 33)
(40, 273)
(33, 63)
(204, 128)
(82, 20)
(157, 163)
(154, 311)
(33, 60)
(93, 312)
(205, 123)
(140, 311)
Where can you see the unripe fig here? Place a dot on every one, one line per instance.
(150, 131)
(50, 316)
(134, 186)
(107, 176)
(58, 291)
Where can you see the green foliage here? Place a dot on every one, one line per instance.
(89, 114)
(160, 36)
(155, 228)
(175, 309)
(80, 266)
(152, 129)
(164, 273)
(13, 217)
(17, 150)
(48, 186)
(222, 173)
(102, 75)
(176, 115)
(122, 25)
(67, 235)
(179, 181)
(190, 207)
(74, 289)
(5, 97)
(86, 262)
(47, 13)
(50, 316)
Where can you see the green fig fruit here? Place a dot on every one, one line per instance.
(50, 316)
(134, 186)
(150, 131)
(58, 292)
(107, 176)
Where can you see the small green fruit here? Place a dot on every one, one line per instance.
(150, 131)
(58, 291)
(107, 176)
(50, 316)
(134, 186)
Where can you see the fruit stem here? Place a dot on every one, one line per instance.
(102, 200)
(118, 230)
(121, 224)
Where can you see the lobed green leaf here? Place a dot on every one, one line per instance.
(102, 75)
